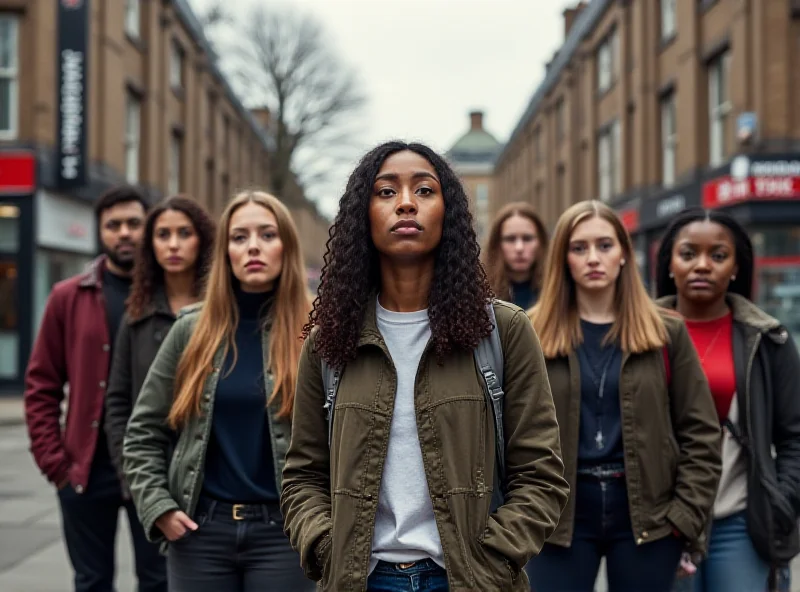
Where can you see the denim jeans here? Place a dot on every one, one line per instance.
(89, 522)
(732, 563)
(603, 529)
(423, 576)
(251, 555)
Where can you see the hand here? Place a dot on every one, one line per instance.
(686, 567)
(175, 524)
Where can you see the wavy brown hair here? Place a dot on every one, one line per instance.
(351, 274)
(219, 317)
(148, 275)
(638, 325)
(493, 258)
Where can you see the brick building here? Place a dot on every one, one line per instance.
(98, 93)
(472, 158)
(658, 106)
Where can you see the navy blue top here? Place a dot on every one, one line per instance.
(522, 294)
(239, 466)
(600, 440)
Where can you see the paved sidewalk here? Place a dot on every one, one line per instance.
(11, 411)
(32, 556)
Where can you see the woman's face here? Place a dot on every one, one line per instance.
(594, 255)
(255, 248)
(703, 261)
(406, 210)
(519, 241)
(175, 242)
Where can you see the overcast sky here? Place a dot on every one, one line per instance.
(424, 64)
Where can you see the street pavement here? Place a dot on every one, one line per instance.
(32, 555)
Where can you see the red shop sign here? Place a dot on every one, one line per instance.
(630, 219)
(17, 172)
(725, 190)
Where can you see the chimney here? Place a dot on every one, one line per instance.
(262, 116)
(476, 120)
(571, 15)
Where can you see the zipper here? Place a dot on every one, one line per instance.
(747, 397)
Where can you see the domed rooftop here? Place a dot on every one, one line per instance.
(477, 145)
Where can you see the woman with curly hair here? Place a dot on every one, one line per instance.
(515, 254)
(169, 273)
(399, 495)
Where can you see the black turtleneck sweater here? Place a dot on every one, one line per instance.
(239, 465)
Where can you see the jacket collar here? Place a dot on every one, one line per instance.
(369, 327)
(744, 312)
(159, 305)
(93, 274)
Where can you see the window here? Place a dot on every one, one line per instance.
(669, 24)
(176, 66)
(175, 157)
(133, 111)
(9, 74)
(607, 58)
(132, 18)
(719, 106)
(560, 120)
(669, 140)
(608, 162)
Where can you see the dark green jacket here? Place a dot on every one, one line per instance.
(329, 497)
(135, 348)
(671, 437)
(157, 483)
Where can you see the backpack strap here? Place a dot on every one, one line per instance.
(489, 359)
(330, 382)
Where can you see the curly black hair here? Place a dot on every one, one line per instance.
(148, 275)
(351, 271)
(742, 285)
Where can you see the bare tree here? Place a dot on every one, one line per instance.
(283, 61)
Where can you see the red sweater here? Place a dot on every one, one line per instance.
(713, 341)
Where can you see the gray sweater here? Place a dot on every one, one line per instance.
(405, 527)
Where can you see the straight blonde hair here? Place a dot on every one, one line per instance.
(219, 317)
(638, 326)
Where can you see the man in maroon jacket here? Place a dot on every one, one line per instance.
(74, 348)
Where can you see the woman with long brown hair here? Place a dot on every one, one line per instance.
(169, 274)
(223, 384)
(639, 432)
(515, 254)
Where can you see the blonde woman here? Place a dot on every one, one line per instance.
(515, 254)
(639, 432)
(223, 385)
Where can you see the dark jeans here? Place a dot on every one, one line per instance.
(424, 576)
(249, 555)
(603, 529)
(89, 522)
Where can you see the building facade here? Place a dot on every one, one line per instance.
(97, 93)
(472, 158)
(658, 106)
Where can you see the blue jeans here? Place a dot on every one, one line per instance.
(603, 529)
(732, 563)
(424, 576)
(232, 555)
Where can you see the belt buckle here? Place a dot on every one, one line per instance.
(237, 511)
(406, 565)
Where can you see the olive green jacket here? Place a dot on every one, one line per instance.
(330, 496)
(671, 438)
(159, 484)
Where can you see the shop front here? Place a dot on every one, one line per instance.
(17, 190)
(763, 193)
